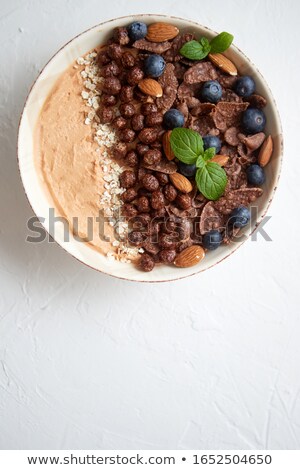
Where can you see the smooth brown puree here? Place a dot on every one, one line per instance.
(67, 161)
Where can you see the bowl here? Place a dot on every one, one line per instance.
(39, 201)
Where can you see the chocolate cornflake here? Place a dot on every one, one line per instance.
(172, 54)
(225, 80)
(236, 174)
(183, 213)
(246, 155)
(211, 218)
(182, 107)
(253, 142)
(186, 91)
(230, 96)
(169, 84)
(202, 124)
(191, 101)
(202, 108)
(163, 166)
(201, 72)
(236, 198)
(228, 150)
(156, 47)
(179, 70)
(257, 101)
(227, 114)
(231, 136)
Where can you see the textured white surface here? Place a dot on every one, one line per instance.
(87, 361)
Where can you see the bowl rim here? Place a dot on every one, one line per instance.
(276, 114)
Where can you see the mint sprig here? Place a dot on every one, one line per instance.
(187, 146)
(195, 50)
(209, 153)
(211, 180)
(198, 50)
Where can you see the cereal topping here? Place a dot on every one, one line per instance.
(137, 89)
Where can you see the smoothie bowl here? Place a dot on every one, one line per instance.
(150, 147)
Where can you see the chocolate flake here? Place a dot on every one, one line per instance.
(163, 166)
(236, 175)
(227, 114)
(202, 108)
(210, 218)
(230, 96)
(225, 80)
(228, 150)
(156, 47)
(191, 101)
(201, 72)
(183, 213)
(236, 198)
(169, 84)
(182, 107)
(202, 124)
(186, 91)
(179, 70)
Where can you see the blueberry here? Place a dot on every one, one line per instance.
(187, 170)
(154, 65)
(137, 30)
(255, 175)
(240, 216)
(244, 86)
(212, 141)
(173, 118)
(212, 239)
(253, 120)
(211, 91)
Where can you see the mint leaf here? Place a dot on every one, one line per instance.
(211, 180)
(204, 42)
(195, 50)
(186, 144)
(209, 153)
(199, 161)
(221, 42)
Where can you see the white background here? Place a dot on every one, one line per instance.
(88, 361)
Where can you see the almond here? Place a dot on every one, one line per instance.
(167, 145)
(160, 32)
(189, 257)
(265, 152)
(181, 183)
(223, 63)
(220, 159)
(150, 87)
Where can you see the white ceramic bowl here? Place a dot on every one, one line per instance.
(66, 56)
